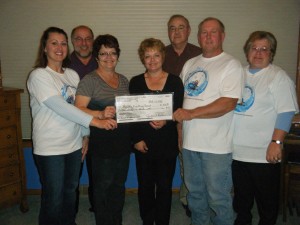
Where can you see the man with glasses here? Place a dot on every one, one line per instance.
(83, 62)
(177, 53)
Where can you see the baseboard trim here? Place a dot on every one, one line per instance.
(27, 143)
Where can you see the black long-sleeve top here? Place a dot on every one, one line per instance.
(162, 142)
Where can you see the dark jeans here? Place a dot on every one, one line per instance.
(59, 175)
(109, 176)
(90, 188)
(155, 176)
(259, 182)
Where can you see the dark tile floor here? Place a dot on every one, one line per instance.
(13, 216)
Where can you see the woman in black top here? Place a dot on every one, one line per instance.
(155, 142)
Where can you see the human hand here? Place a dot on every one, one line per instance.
(157, 124)
(141, 147)
(109, 112)
(273, 153)
(182, 114)
(107, 124)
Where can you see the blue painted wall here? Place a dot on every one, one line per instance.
(34, 183)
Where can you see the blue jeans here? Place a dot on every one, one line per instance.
(59, 175)
(208, 179)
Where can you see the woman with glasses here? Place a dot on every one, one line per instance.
(109, 149)
(59, 128)
(262, 120)
(155, 142)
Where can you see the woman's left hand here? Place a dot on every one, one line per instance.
(158, 124)
(85, 147)
(273, 153)
(109, 112)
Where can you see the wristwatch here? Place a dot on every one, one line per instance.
(277, 142)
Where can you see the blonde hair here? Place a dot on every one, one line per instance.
(151, 43)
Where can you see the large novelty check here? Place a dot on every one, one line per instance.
(148, 107)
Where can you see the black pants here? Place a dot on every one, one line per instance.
(259, 182)
(88, 161)
(155, 176)
(109, 176)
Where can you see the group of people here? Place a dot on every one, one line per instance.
(228, 126)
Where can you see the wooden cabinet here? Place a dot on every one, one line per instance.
(12, 166)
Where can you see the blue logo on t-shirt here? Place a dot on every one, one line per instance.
(68, 92)
(248, 99)
(196, 82)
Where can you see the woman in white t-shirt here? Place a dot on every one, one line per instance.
(60, 130)
(262, 120)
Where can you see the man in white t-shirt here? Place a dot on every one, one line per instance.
(213, 84)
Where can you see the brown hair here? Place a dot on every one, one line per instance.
(258, 35)
(179, 16)
(42, 60)
(81, 26)
(208, 19)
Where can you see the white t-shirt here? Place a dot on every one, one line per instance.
(266, 94)
(53, 134)
(206, 80)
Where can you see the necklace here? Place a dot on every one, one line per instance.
(156, 82)
(111, 80)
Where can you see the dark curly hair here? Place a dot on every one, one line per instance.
(108, 41)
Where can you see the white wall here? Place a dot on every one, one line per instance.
(22, 23)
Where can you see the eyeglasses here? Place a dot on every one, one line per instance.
(260, 49)
(79, 39)
(106, 54)
(174, 29)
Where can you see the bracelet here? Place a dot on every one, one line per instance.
(277, 142)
